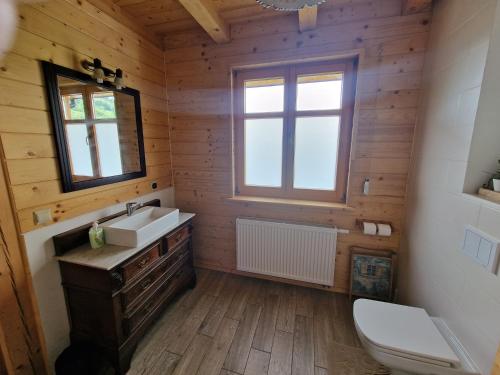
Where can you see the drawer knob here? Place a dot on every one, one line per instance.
(145, 284)
(143, 262)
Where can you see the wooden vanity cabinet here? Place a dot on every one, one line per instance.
(112, 309)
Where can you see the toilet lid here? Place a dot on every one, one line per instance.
(402, 329)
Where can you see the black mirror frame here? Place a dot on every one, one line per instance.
(50, 72)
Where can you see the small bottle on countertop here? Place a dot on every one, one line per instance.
(96, 236)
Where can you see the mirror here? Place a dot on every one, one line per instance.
(98, 129)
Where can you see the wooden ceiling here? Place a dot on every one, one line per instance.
(166, 16)
(158, 19)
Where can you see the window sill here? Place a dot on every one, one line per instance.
(290, 202)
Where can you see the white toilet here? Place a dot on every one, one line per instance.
(408, 341)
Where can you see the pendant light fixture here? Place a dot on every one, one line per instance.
(289, 5)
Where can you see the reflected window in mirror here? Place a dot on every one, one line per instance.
(98, 129)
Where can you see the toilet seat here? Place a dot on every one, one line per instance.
(401, 355)
(403, 331)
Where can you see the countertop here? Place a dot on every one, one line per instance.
(110, 256)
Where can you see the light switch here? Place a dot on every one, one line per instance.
(484, 252)
(472, 241)
(482, 248)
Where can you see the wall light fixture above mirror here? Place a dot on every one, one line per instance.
(97, 126)
(101, 73)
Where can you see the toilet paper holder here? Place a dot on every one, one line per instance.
(359, 224)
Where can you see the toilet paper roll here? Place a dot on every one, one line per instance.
(369, 228)
(384, 230)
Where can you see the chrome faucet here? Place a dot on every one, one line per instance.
(132, 207)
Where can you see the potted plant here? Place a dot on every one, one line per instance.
(494, 182)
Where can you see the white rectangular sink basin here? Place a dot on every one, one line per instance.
(145, 225)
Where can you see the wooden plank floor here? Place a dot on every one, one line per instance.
(232, 325)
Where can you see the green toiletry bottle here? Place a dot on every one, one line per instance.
(96, 236)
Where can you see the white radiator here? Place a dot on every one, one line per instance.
(291, 251)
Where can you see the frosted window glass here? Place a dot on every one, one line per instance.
(263, 152)
(266, 95)
(319, 92)
(108, 143)
(316, 152)
(79, 149)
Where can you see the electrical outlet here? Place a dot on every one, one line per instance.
(42, 216)
(154, 185)
(366, 186)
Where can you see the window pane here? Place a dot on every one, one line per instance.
(108, 142)
(263, 152)
(264, 95)
(79, 149)
(73, 107)
(316, 149)
(319, 91)
(103, 104)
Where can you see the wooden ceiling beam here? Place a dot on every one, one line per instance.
(208, 18)
(307, 18)
(416, 6)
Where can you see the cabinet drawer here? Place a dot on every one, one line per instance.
(135, 318)
(140, 263)
(178, 236)
(151, 280)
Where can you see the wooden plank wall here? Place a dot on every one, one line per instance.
(21, 342)
(198, 79)
(496, 365)
(65, 32)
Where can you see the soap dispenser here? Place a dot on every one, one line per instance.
(96, 236)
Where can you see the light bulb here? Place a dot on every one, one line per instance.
(98, 71)
(119, 79)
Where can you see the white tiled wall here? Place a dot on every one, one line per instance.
(434, 274)
(485, 148)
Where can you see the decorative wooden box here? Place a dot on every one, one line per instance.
(490, 194)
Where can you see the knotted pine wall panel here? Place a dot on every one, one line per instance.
(198, 78)
(66, 32)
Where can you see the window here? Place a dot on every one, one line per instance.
(91, 124)
(293, 129)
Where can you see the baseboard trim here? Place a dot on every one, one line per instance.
(215, 267)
